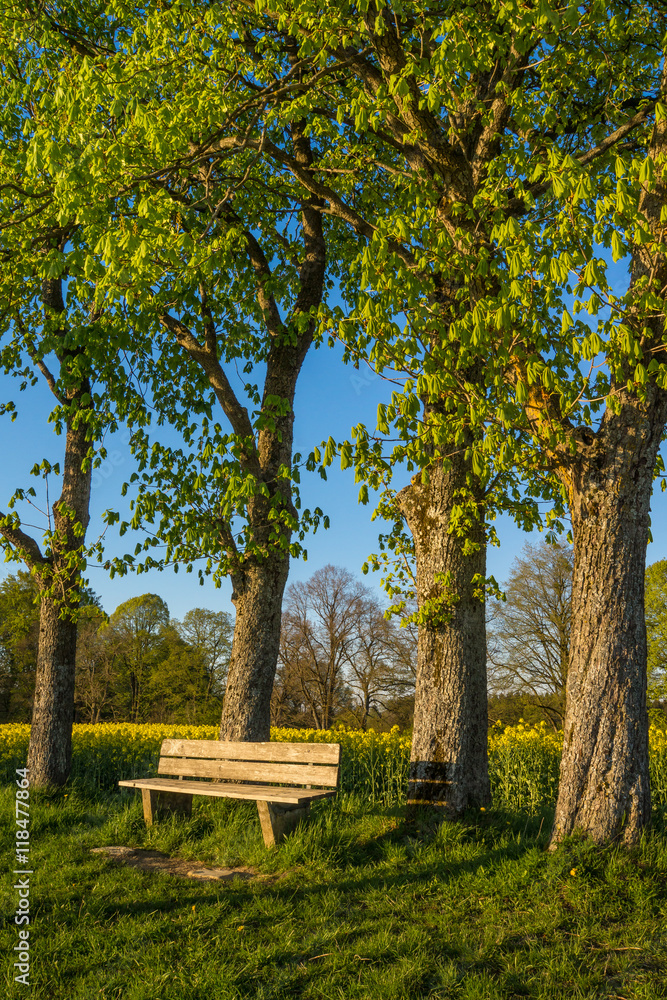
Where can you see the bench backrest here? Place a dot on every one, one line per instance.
(314, 764)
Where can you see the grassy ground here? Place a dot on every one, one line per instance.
(355, 905)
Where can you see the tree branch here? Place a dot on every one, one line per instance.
(517, 206)
(25, 544)
(235, 413)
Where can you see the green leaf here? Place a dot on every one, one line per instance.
(647, 172)
(617, 248)
(567, 321)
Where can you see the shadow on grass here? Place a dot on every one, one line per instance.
(358, 848)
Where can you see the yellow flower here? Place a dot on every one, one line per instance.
(573, 871)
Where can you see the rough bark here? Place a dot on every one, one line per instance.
(449, 761)
(246, 713)
(50, 752)
(604, 785)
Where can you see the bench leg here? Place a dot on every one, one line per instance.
(160, 803)
(278, 820)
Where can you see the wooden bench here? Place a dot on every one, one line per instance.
(283, 778)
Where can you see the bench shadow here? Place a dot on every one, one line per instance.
(418, 835)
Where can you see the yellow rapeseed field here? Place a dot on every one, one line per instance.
(523, 759)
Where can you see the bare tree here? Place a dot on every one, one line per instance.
(529, 632)
(338, 653)
(317, 635)
(381, 662)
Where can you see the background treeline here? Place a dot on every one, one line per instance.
(137, 665)
(341, 659)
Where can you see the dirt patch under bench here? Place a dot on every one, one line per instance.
(156, 861)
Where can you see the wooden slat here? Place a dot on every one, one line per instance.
(305, 753)
(257, 793)
(231, 770)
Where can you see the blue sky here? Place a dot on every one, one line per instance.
(330, 398)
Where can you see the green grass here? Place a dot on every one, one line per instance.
(354, 905)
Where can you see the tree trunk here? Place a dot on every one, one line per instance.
(246, 713)
(449, 759)
(50, 750)
(604, 784)
(50, 754)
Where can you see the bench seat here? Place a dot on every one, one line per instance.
(257, 793)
